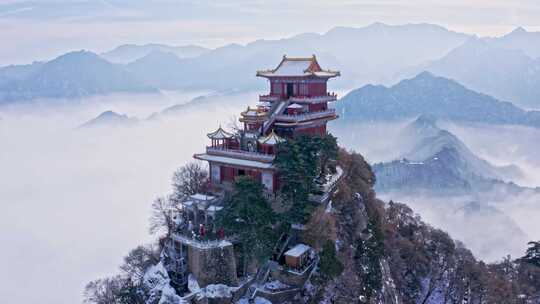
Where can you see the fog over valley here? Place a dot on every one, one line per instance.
(235, 152)
(75, 200)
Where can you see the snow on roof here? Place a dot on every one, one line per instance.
(271, 139)
(264, 104)
(202, 197)
(295, 106)
(187, 203)
(298, 67)
(298, 250)
(214, 208)
(220, 134)
(234, 161)
(293, 67)
(253, 113)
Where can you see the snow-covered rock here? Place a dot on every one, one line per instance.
(156, 282)
(193, 285)
(218, 291)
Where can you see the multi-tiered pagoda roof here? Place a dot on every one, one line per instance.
(297, 104)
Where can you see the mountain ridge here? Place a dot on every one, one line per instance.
(439, 162)
(72, 75)
(433, 95)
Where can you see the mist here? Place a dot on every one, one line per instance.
(75, 201)
(496, 224)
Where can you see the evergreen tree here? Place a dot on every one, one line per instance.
(328, 151)
(370, 252)
(330, 265)
(249, 217)
(532, 255)
(300, 162)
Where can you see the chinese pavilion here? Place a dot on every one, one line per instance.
(297, 104)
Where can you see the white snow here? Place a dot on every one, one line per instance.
(298, 250)
(169, 296)
(202, 197)
(218, 291)
(156, 275)
(275, 285)
(157, 282)
(201, 244)
(293, 67)
(193, 285)
(295, 106)
(234, 161)
(328, 207)
(259, 300)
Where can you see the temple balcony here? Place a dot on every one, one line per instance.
(240, 154)
(314, 99)
(269, 98)
(294, 118)
(197, 241)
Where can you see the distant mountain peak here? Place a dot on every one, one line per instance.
(426, 75)
(518, 30)
(425, 123)
(110, 119)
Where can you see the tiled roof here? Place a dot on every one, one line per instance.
(271, 139)
(220, 134)
(298, 67)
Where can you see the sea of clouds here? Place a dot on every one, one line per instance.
(75, 200)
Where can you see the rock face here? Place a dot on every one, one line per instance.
(213, 265)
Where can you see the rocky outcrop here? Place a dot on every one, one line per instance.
(214, 265)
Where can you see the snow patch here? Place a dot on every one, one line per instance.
(218, 291)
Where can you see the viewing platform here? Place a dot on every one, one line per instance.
(296, 118)
(330, 97)
(314, 99)
(240, 154)
(269, 98)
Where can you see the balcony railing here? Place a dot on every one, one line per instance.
(242, 154)
(307, 99)
(306, 116)
(314, 99)
(200, 243)
(269, 98)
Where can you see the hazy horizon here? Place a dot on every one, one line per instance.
(75, 200)
(36, 29)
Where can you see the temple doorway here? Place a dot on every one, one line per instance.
(290, 90)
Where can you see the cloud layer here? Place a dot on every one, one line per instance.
(40, 30)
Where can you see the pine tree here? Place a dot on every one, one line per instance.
(532, 255)
(300, 162)
(330, 265)
(370, 253)
(249, 217)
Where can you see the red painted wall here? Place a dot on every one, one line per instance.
(316, 107)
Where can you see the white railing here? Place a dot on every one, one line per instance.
(268, 98)
(314, 99)
(306, 116)
(203, 244)
(240, 154)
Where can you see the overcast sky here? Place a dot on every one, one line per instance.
(41, 29)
